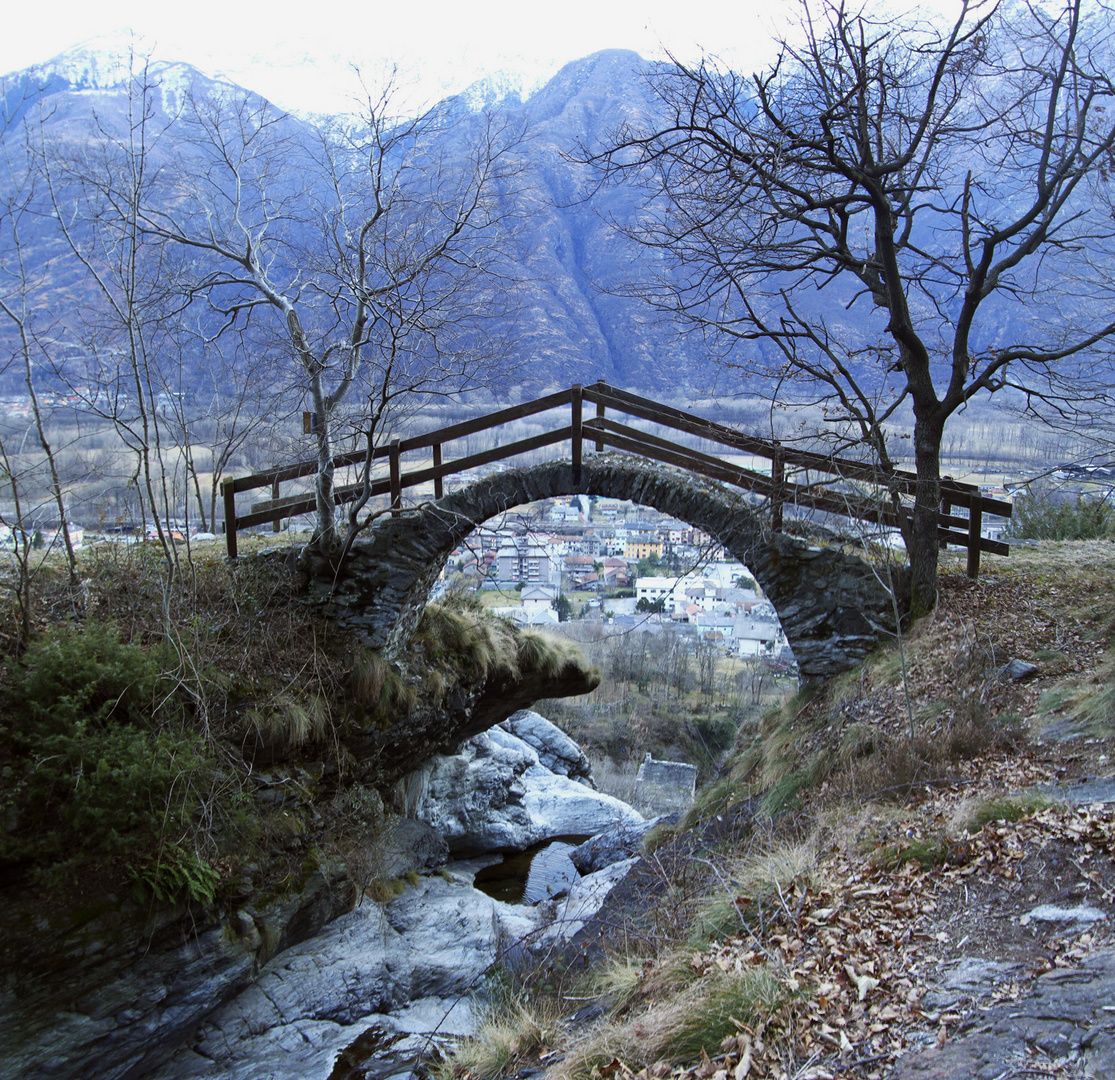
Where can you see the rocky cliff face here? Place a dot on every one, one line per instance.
(111, 995)
(290, 981)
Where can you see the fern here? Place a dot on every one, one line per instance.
(178, 873)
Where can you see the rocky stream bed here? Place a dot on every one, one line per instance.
(363, 991)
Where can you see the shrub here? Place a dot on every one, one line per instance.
(1042, 515)
(99, 764)
(90, 676)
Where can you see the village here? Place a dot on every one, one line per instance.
(615, 562)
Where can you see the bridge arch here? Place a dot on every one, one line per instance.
(832, 606)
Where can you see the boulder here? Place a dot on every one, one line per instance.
(1017, 671)
(585, 899)
(556, 750)
(496, 795)
(399, 969)
(623, 841)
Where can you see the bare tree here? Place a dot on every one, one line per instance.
(124, 304)
(372, 249)
(895, 214)
(218, 395)
(25, 316)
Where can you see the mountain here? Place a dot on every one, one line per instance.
(573, 323)
(578, 316)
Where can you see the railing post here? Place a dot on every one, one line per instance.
(600, 384)
(438, 489)
(946, 510)
(975, 533)
(228, 490)
(275, 525)
(578, 430)
(777, 479)
(396, 481)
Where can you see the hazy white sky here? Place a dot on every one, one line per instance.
(302, 52)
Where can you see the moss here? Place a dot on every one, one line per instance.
(1007, 808)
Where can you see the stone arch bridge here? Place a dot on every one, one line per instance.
(833, 606)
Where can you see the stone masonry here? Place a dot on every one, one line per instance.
(832, 606)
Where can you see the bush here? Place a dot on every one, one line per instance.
(98, 764)
(1044, 516)
(70, 676)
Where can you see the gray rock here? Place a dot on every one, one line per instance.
(405, 968)
(121, 1013)
(622, 841)
(1066, 1016)
(1050, 913)
(412, 846)
(585, 899)
(495, 795)
(556, 750)
(971, 976)
(1101, 789)
(1017, 671)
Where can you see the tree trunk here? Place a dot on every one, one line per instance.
(922, 540)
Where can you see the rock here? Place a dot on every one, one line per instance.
(495, 795)
(1050, 913)
(404, 968)
(585, 899)
(623, 841)
(1084, 792)
(125, 1010)
(1017, 671)
(561, 807)
(412, 846)
(971, 976)
(1065, 1016)
(556, 750)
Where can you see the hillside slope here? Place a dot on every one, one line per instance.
(846, 902)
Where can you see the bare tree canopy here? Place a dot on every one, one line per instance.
(371, 254)
(888, 213)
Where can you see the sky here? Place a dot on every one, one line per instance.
(301, 54)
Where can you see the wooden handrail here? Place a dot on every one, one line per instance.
(602, 430)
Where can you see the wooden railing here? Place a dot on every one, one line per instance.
(854, 492)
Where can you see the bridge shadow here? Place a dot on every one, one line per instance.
(833, 606)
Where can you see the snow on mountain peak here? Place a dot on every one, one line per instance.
(510, 84)
(112, 60)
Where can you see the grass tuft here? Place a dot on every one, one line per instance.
(1006, 808)
(290, 721)
(513, 1030)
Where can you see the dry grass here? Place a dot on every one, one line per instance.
(515, 1030)
(681, 1024)
(290, 722)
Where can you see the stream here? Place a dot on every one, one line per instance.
(386, 986)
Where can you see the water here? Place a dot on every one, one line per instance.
(529, 877)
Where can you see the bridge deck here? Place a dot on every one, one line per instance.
(799, 478)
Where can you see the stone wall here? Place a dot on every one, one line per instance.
(664, 787)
